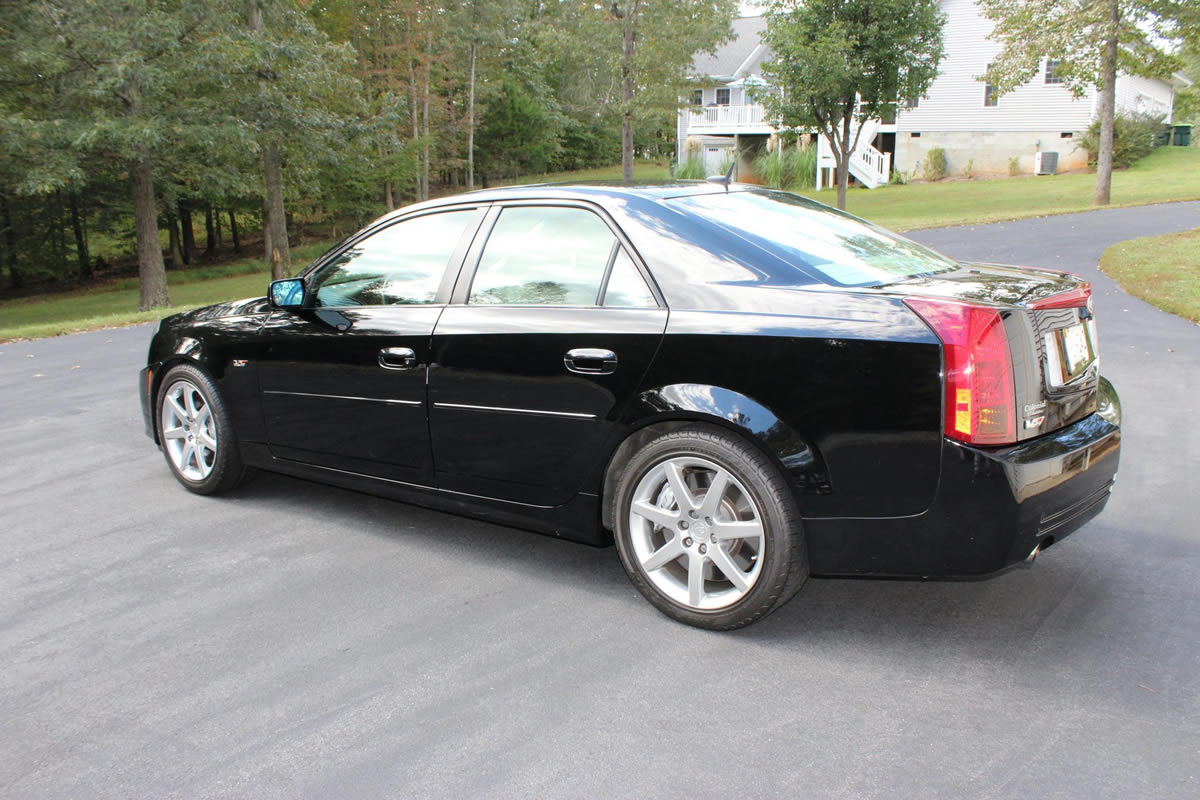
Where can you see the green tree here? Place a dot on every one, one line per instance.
(835, 62)
(657, 41)
(1092, 40)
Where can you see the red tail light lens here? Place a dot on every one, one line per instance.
(980, 399)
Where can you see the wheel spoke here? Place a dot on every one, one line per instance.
(679, 487)
(185, 457)
(177, 408)
(203, 415)
(174, 433)
(740, 529)
(695, 578)
(727, 565)
(716, 491)
(655, 514)
(207, 441)
(189, 399)
(664, 555)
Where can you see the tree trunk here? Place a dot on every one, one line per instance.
(388, 200)
(173, 241)
(266, 231)
(210, 232)
(843, 163)
(233, 231)
(414, 109)
(189, 233)
(425, 114)
(81, 248)
(1108, 98)
(471, 124)
(279, 254)
(15, 279)
(628, 49)
(216, 215)
(152, 273)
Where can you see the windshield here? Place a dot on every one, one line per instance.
(845, 250)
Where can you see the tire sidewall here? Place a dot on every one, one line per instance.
(757, 476)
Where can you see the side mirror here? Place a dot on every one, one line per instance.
(287, 294)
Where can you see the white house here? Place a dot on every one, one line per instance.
(960, 113)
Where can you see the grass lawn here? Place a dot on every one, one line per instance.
(1169, 173)
(1165, 175)
(1163, 270)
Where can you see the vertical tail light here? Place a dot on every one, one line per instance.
(980, 399)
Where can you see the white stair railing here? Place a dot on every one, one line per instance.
(870, 166)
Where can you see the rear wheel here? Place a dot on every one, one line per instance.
(708, 530)
(196, 433)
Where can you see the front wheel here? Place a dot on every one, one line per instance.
(196, 433)
(708, 530)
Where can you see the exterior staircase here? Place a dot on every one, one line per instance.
(869, 166)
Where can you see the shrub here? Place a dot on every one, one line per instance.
(1014, 166)
(793, 168)
(935, 164)
(969, 169)
(1134, 136)
(691, 169)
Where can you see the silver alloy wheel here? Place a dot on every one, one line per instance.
(188, 430)
(696, 533)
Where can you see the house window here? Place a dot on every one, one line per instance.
(722, 97)
(912, 102)
(1052, 75)
(989, 93)
(697, 97)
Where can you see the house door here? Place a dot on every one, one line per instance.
(714, 157)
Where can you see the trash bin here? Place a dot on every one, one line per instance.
(1183, 136)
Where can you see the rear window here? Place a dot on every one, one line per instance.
(841, 249)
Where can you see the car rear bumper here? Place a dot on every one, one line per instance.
(994, 506)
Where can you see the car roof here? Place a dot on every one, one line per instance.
(596, 191)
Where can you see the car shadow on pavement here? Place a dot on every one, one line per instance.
(991, 616)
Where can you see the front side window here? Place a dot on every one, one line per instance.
(402, 264)
(722, 97)
(544, 256)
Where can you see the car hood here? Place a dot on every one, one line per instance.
(233, 308)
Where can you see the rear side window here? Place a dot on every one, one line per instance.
(626, 287)
(546, 256)
(402, 264)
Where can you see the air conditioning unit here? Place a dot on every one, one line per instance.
(1045, 163)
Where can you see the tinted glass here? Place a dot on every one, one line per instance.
(402, 264)
(626, 287)
(543, 256)
(845, 250)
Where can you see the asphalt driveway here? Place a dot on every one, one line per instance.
(296, 640)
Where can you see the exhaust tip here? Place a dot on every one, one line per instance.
(1033, 554)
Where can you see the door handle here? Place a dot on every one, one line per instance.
(590, 361)
(397, 358)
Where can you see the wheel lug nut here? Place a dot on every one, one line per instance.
(703, 548)
(687, 542)
(692, 514)
(683, 524)
(712, 537)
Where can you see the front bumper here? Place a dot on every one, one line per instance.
(994, 506)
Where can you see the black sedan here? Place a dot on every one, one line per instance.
(739, 387)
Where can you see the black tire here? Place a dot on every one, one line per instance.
(227, 469)
(784, 555)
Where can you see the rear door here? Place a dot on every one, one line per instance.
(552, 326)
(343, 381)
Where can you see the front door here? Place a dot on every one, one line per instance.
(343, 380)
(539, 353)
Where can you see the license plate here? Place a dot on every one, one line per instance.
(1076, 349)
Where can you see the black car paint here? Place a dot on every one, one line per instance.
(840, 387)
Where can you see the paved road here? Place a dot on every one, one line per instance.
(298, 640)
